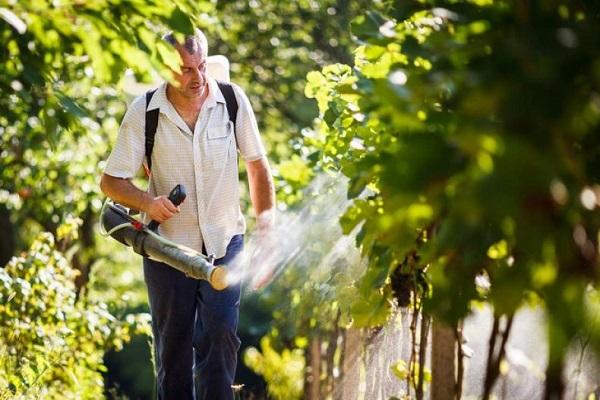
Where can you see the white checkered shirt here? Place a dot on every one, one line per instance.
(204, 161)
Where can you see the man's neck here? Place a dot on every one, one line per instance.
(188, 108)
(186, 104)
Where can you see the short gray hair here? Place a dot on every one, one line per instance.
(192, 43)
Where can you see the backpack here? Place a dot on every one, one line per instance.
(152, 118)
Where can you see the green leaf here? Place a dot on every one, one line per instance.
(400, 370)
(181, 22)
(366, 27)
(71, 105)
(169, 56)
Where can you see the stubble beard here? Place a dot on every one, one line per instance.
(195, 93)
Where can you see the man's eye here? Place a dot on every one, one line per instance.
(185, 70)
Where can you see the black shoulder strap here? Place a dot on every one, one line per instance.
(150, 127)
(230, 102)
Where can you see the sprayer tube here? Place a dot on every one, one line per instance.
(186, 260)
(147, 243)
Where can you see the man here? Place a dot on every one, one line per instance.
(195, 145)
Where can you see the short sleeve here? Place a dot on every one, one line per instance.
(246, 130)
(128, 153)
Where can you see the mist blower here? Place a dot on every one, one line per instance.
(116, 222)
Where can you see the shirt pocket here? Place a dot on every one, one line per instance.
(221, 145)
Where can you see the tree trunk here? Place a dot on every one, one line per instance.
(313, 371)
(557, 347)
(330, 357)
(443, 368)
(555, 386)
(424, 334)
(351, 357)
(496, 352)
(460, 367)
(7, 237)
(82, 260)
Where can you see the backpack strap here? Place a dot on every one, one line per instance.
(150, 129)
(230, 102)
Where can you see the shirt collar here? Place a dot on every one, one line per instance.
(159, 100)
(214, 94)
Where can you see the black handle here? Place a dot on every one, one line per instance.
(176, 196)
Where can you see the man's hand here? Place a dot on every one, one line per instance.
(263, 261)
(262, 270)
(161, 209)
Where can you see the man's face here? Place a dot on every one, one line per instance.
(191, 82)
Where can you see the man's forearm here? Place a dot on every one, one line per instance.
(124, 192)
(262, 194)
(262, 190)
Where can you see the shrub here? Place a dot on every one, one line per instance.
(52, 342)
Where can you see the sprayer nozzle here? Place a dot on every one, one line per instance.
(218, 278)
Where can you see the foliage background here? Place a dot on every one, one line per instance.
(468, 131)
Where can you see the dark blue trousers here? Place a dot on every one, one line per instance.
(195, 331)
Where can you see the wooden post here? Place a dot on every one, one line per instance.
(443, 369)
